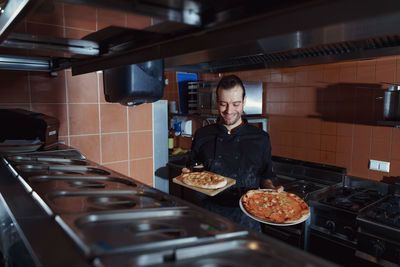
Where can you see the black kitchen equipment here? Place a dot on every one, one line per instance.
(20, 124)
(334, 225)
(307, 180)
(135, 84)
(391, 103)
(379, 231)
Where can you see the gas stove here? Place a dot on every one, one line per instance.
(334, 222)
(379, 232)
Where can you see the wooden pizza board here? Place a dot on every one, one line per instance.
(210, 192)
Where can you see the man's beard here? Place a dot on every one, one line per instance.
(237, 118)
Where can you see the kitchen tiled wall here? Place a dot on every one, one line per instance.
(113, 135)
(328, 113)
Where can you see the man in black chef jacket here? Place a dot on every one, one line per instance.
(235, 149)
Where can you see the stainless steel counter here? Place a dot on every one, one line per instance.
(87, 215)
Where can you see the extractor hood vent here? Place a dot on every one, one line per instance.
(312, 54)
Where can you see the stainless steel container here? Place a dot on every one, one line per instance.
(391, 103)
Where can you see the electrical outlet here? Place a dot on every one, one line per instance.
(377, 165)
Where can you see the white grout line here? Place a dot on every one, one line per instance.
(99, 108)
(129, 149)
(118, 161)
(89, 134)
(66, 100)
(135, 159)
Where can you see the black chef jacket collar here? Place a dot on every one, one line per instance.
(234, 130)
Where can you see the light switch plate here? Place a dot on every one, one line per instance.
(382, 166)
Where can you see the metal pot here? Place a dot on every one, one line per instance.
(391, 103)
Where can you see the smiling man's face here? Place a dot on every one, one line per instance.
(230, 106)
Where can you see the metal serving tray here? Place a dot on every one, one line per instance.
(27, 159)
(33, 169)
(140, 230)
(46, 183)
(238, 252)
(74, 201)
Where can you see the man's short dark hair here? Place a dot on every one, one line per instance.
(230, 81)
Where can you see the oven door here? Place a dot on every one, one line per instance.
(293, 235)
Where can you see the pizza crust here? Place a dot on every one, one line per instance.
(271, 206)
(205, 180)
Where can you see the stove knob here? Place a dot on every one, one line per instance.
(349, 232)
(379, 248)
(330, 225)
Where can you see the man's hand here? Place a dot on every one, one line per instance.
(267, 184)
(185, 170)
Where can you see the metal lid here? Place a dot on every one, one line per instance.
(394, 88)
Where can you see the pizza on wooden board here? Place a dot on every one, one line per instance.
(275, 207)
(206, 180)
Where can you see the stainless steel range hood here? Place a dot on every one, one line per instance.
(228, 35)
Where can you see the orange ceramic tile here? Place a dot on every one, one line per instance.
(82, 88)
(395, 135)
(344, 160)
(137, 22)
(300, 153)
(331, 74)
(395, 150)
(313, 141)
(276, 77)
(51, 13)
(386, 70)
(394, 168)
(361, 146)
(46, 89)
(328, 142)
(287, 138)
(78, 16)
(361, 130)
(300, 139)
(348, 72)
(380, 149)
(301, 76)
(58, 111)
(382, 132)
(344, 144)
(88, 145)
(73, 33)
(286, 123)
(366, 71)
(299, 124)
(83, 119)
(359, 166)
(287, 151)
(120, 167)
(44, 29)
(328, 157)
(107, 18)
(376, 176)
(114, 147)
(113, 118)
(140, 117)
(14, 87)
(142, 171)
(313, 125)
(141, 144)
(328, 127)
(344, 129)
(289, 77)
(316, 74)
(313, 155)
